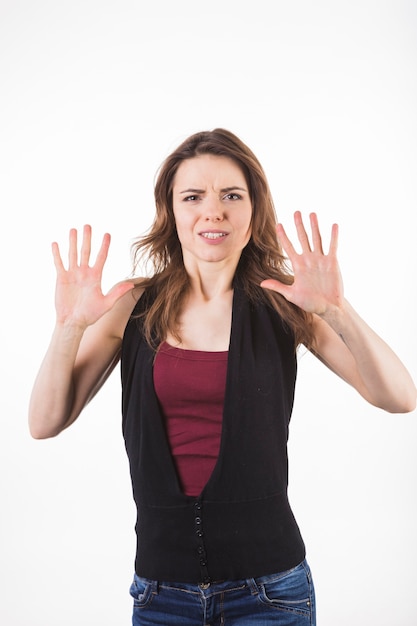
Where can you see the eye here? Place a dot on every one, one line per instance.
(233, 196)
(192, 198)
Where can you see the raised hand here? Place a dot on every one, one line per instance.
(317, 286)
(79, 299)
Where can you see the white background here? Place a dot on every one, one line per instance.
(94, 94)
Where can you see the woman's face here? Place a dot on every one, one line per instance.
(212, 209)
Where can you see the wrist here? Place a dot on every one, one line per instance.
(69, 328)
(336, 316)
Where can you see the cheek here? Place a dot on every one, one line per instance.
(183, 224)
(249, 223)
(249, 230)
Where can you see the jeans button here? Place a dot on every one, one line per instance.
(204, 585)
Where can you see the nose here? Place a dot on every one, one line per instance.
(214, 209)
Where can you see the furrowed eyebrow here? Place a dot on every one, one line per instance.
(192, 191)
(229, 189)
(225, 190)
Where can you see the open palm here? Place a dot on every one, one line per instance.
(79, 298)
(317, 286)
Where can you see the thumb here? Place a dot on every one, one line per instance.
(276, 285)
(120, 289)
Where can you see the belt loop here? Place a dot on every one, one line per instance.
(251, 582)
(155, 587)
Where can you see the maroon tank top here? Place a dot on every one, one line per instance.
(190, 387)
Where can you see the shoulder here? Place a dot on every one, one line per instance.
(263, 320)
(119, 316)
(111, 326)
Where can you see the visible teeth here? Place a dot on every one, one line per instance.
(213, 235)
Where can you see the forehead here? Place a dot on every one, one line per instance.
(209, 168)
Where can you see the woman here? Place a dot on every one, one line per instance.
(207, 346)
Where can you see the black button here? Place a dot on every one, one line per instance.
(198, 520)
(199, 533)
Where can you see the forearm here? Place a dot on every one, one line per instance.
(51, 404)
(382, 378)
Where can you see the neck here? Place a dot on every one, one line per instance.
(210, 280)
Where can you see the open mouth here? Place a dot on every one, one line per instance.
(211, 235)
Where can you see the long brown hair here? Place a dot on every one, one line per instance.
(261, 258)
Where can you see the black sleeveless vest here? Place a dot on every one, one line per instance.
(241, 525)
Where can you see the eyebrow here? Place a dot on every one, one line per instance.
(224, 190)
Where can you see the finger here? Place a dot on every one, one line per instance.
(103, 252)
(59, 266)
(73, 252)
(315, 233)
(285, 242)
(301, 232)
(86, 245)
(334, 240)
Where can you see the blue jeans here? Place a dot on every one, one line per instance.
(286, 598)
